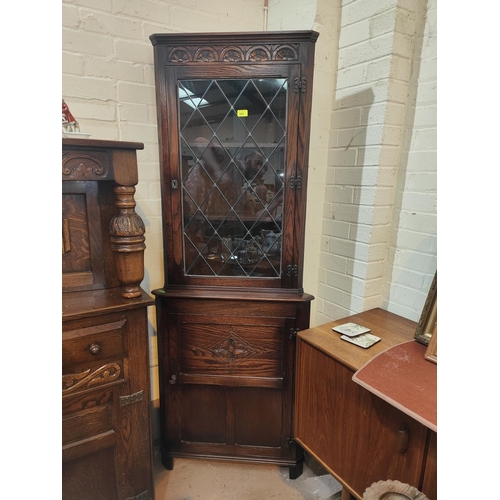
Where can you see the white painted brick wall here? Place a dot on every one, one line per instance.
(413, 246)
(376, 198)
(324, 17)
(108, 83)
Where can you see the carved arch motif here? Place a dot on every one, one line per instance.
(258, 53)
(206, 54)
(232, 54)
(285, 53)
(180, 55)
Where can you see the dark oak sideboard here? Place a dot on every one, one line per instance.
(106, 431)
(358, 437)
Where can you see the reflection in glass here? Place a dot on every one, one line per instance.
(232, 135)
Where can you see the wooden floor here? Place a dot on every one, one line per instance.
(193, 479)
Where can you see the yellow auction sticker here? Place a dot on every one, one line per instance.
(242, 112)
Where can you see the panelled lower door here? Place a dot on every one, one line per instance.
(229, 387)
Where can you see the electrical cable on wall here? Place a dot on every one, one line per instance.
(266, 8)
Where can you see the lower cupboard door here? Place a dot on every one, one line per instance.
(233, 418)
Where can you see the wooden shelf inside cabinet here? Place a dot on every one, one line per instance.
(233, 124)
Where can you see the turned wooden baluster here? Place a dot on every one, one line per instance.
(127, 241)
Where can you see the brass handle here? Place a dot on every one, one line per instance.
(403, 438)
(94, 349)
(173, 379)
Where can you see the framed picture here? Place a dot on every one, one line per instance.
(426, 332)
(431, 351)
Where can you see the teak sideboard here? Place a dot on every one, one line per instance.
(357, 436)
(106, 436)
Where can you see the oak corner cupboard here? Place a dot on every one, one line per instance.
(233, 122)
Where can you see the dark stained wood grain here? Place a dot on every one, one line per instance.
(226, 344)
(429, 483)
(106, 442)
(106, 236)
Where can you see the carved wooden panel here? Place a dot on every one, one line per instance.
(76, 243)
(230, 349)
(92, 377)
(233, 54)
(81, 165)
(82, 245)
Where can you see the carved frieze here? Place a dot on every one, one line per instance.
(249, 53)
(82, 166)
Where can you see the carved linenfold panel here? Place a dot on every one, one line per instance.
(79, 166)
(217, 53)
(90, 378)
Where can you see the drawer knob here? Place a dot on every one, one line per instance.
(94, 349)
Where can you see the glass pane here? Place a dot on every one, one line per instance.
(232, 138)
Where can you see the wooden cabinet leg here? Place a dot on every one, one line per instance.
(294, 471)
(168, 462)
(346, 495)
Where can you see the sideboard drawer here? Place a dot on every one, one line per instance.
(87, 345)
(87, 423)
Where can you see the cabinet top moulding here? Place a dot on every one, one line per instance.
(242, 37)
(233, 48)
(99, 143)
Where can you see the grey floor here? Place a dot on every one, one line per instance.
(195, 479)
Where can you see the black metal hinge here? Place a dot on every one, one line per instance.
(295, 182)
(293, 333)
(131, 399)
(292, 270)
(300, 83)
(290, 442)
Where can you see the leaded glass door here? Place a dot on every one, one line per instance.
(234, 160)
